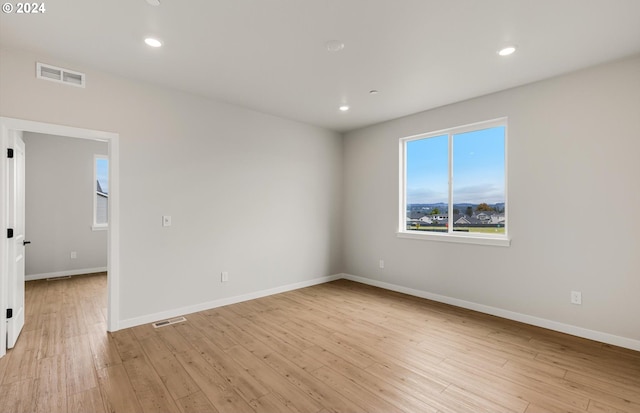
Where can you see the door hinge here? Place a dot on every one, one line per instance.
(9, 153)
(9, 232)
(9, 313)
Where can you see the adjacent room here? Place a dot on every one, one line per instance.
(327, 206)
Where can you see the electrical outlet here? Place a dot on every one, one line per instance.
(166, 220)
(224, 277)
(381, 263)
(576, 297)
(74, 255)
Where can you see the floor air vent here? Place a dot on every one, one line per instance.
(60, 75)
(163, 323)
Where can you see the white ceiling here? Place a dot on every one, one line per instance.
(270, 55)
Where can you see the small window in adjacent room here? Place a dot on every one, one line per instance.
(453, 185)
(101, 192)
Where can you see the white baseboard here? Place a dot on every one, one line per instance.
(150, 318)
(56, 274)
(523, 318)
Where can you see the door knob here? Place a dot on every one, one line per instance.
(26, 242)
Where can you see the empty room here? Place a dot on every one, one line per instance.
(320, 206)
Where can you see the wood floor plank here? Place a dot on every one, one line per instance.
(352, 391)
(621, 395)
(117, 391)
(3, 366)
(51, 395)
(173, 339)
(209, 326)
(73, 320)
(408, 379)
(128, 346)
(532, 390)
(21, 365)
(18, 396)
(103, 347)
(237, 377)
(272, 403)
(315, 388)
(289, 394)
(274, 325)
(479, 402)
(600, 407)
(88, 401)
(278, 344)
(214, 387)
(51, 335)
(590, 367)
(80, 370)
(196, 402)
(149, 388)
(171, 372)
(378, 386)
(234, 332)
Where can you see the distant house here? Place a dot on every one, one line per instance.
(483, 217)
(461, 219)
(497, 219)
(490, 218)
(415, 215)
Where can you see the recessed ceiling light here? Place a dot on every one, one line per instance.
(334, 45)
(344, 108)
(150, 41)
(507, 51)
(154, 2)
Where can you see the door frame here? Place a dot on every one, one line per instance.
(113, 236)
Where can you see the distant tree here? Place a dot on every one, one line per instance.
(484, 207)
(435, 211)
(469, 211)
(456, 211)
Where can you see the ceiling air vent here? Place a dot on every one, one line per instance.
(60, 75)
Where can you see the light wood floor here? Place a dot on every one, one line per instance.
(337, 347)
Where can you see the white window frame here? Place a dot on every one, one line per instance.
(97, 226)
(502, 240)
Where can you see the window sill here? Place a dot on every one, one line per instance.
(102, 227)
(461, 239)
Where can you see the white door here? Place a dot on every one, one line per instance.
(17, 243)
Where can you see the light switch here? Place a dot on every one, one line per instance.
(166, 220)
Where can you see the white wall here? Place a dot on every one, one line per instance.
(252, 194)
(59, 205)
(574, 204)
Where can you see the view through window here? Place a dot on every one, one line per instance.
(101, 202)
(455, 180)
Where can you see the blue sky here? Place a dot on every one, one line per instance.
(478, 159)
(102, 173)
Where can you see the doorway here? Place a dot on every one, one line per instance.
(10, 126)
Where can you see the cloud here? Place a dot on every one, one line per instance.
(485, 192)
(425, 196)
(474, 194)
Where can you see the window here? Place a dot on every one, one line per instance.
(101, 192)
(453, 184)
